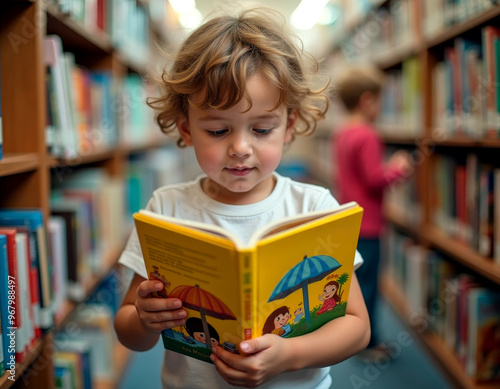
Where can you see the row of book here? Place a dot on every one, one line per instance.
(26, 296)
(456, 305)
(465, 202)
(401, 108)
(126, 22)
(466, 89)
(92, 205)
(85, 345)
(44, 263)
(440, 14)
(90, 110)
(385, 28)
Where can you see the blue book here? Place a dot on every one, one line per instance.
(32, 219)
(1, 127)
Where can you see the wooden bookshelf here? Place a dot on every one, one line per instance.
(18, 163)
(433, 343)
(429, 49)
(27, 168)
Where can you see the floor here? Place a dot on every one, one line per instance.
(410, 368)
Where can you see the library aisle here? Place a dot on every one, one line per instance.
(411, 367)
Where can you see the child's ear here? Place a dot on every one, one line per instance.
(290, 125)
(183, 127)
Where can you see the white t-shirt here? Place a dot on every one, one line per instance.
(188, 201)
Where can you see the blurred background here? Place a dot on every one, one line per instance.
(80, 152)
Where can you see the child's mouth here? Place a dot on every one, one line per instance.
(239, 171)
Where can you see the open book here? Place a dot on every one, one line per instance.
(292, 277)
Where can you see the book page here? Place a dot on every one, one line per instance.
(202, 227)
(295, 221)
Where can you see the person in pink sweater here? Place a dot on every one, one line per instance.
(362, 176)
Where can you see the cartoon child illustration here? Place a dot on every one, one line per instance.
(194, 327)
(277, 322)
(329, 297)
(299, 314)
(155, 275)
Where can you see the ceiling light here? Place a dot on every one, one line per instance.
(307, 13)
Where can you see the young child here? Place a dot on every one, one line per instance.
(362, 176)
(238, 91)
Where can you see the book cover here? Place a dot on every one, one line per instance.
(291, 278)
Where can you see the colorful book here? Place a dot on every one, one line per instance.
(33, 220)
(483, 362)
(297, 269)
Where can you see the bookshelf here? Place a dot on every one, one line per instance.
(424, 33)
(27, 168)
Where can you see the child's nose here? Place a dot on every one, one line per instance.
(240, 146)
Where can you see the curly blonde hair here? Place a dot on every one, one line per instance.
(220, 55)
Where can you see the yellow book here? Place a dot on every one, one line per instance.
(290, 279)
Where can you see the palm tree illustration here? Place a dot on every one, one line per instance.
(342, 280)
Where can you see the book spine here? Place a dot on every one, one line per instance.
(248, 294)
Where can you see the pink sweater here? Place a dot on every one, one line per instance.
(361, 175)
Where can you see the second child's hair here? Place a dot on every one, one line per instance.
(219, 57)
(356, 80)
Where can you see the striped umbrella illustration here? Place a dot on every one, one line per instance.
(307, 271)
(198, 299)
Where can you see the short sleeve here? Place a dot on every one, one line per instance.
(131, 256)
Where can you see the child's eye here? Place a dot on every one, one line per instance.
(217, 133)
(262, 131)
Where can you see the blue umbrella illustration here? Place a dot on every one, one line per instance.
(307, 271)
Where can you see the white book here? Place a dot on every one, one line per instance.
(57, 238)
(25, 332)
(65, 142)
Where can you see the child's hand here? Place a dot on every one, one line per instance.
(402, 161)
(264, 358)
(158, 314)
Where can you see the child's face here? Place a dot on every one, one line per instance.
(370, 106)
(200, 337)
(239, 149)
(329, 291)
(281, 320)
